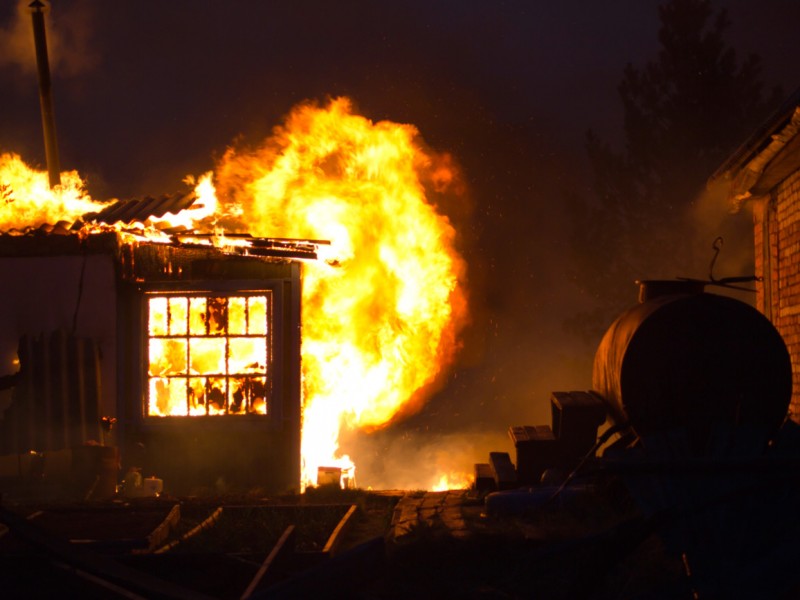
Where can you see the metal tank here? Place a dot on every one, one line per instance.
(684, 358)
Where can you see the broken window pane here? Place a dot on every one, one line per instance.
(197, 316)
(217, 316)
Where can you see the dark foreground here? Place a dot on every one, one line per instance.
(330, 543)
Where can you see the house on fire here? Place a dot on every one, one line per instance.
(183, 355)
(765, 173)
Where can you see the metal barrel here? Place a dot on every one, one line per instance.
(693, 360)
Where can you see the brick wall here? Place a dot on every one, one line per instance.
(777, 253)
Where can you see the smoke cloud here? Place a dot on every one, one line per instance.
(712, 216)
(68, 40)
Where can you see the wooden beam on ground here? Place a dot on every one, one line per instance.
(341, 576)
(97, 567)
(206, 524)
(335, 539)
(285, 544)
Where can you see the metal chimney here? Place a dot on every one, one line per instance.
(45, 93)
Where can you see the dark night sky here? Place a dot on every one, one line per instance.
(147, 92)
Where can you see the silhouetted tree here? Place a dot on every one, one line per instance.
(684, 112)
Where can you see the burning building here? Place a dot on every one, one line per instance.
(171, 291)
(191, 350)
(186, 309)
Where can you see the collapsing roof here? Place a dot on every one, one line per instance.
(121, 217)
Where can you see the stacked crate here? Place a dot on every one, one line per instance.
(561, 445)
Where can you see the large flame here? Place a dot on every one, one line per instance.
(26, 199)
(381, 310)
(381, 325)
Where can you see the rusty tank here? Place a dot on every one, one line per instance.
(686, 358)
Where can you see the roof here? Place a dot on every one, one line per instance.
(129, 211)
(67, 238)
(767, 157)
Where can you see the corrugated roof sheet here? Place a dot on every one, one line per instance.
(139, 210)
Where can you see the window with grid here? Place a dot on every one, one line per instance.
(208, 354)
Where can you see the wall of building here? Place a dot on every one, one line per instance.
(222, 452)
(777, 252)
(70, 315)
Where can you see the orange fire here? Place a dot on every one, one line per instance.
(382, 309)
(381, 316)
(26, 199)
(452, 481)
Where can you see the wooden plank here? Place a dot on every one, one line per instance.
(335, 539)
(28, 394)
(206, 524)
(94, 389)
(42, 398)
(59, 430)
(101, 567)
(160, 533)
(284, 544)
(342, 576)
(107, 529)
(84, 390)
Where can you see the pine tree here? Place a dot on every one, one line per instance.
(684, 112)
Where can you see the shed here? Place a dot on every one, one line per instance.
(183, 353)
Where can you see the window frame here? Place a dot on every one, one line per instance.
(270, 289)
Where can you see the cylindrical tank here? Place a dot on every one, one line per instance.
(691, 359)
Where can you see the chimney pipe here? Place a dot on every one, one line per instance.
(45, 94)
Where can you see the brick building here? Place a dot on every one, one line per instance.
(765, 173)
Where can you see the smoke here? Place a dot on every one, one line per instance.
(711, 216)
(420, 460)
(68, 40)
(16, 40)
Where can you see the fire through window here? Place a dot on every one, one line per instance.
(208, 354)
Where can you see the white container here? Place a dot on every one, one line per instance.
(152, 486)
